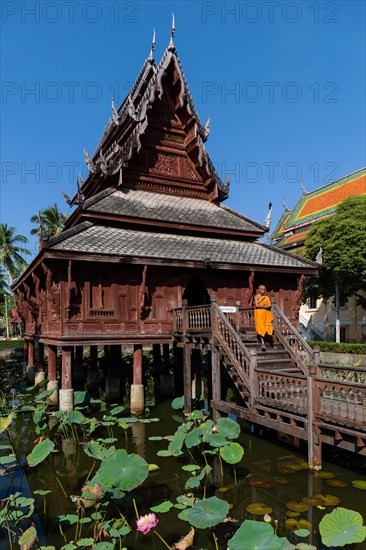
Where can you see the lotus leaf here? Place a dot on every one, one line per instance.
(103, 546)
(28, 538)
(259, 509)
(336, 483)
(302, 533)
(291, 514)
(153, 467)
(215, 440)
(227, 427)
(122, 470)
(85, 542)
(175, 446)
(297, 506)
(195, 481)
(162, 507)
(281, 481)
(178, 403)
(69, 519)
(305, 546)
(325, 475)
(205, 513)
(359, 484)
(40, 452)
(7, 459)
(155, 438)
(259, 483)
(190, 467)
(313, 501)
(328, 500)
(256, 535)
(94, 449)
(116, 410)
(185, 500)
(304, 524)
(193, 438)
(341, 527)
(291, 524)
(232, 453)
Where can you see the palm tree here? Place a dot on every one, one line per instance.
(52, 219)
(12, 250)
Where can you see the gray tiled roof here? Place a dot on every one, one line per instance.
(127, 242)
(171, 208)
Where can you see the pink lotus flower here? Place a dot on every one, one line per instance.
(146, 523)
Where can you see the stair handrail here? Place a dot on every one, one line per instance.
(299, 339)
(243, 371)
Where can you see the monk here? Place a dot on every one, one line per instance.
(262, 315)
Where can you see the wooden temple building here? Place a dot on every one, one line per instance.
(152, 256)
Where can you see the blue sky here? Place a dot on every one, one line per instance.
(283, 81)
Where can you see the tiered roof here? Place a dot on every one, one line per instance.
(294, 225)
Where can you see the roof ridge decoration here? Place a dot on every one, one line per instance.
(132, 117)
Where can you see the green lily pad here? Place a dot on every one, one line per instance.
(66, 519)
(178, 403)
(40, 452)
(359, 484)
(195, 480)
(297, 506)
(324, 475)
(94, 449)
(162, 507)
(259, 509)
(155, 438)
(228, 427)
(190, 467)
(232, 453)
(257, 535)
(206, 513)
(116, 410)
(122, 470)
(215, 440)
(341, 527)
(153, 467)
(193, 438)
(302, 533)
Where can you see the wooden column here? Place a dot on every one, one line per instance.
(52, 374)
(196, 374)
(137, 364)
(137, 388)
(52, 363)
(93, 364)
(30, 362)
(216, 382)
(66, 393)
(40, 374)
(314, 441)
(26, 346)
(157, 358)
(187, 378)
(166, 358)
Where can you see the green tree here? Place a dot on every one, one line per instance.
(53, 221)
(342, 238)
(12, 251)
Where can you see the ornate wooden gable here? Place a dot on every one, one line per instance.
(155, 140)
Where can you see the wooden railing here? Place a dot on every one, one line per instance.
(231, 343)
(285, 391)
(292, 340)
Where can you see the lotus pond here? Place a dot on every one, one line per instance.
(83, 479)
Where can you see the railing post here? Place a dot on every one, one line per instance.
(187, 377)
(237, 316)
(216, 382)
(314, 442)
(253, 380)
(213, 319)
(184, 317)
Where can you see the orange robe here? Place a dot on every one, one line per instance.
(263, 317)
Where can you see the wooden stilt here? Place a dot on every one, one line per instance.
(166, 358)
(216, 382)
(30, 361)
(314, 441)
(187, 379)
(137, 388)
(196, 374)
(112, 381)
(66, 392)
(92, 382)
(52, 373)
(178, 371)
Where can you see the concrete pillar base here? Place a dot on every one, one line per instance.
(92, 380)
(53, 385)
(137, 399)
(30, 374)
(66, 398)
(39, 377)
(112, 389)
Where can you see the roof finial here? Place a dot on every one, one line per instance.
(285, 205)
(304, 192)
(171, 46)
(151, 55)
